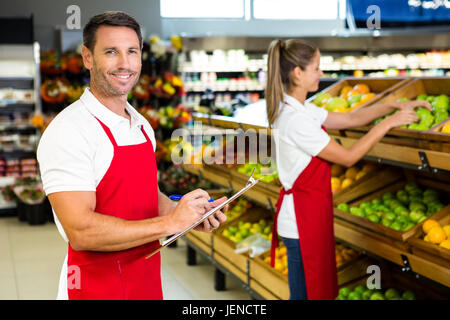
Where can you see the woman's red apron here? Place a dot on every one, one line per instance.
(313, 205)
(128, 190)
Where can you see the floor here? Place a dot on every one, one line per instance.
(31, 259)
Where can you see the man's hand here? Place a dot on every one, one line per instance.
(190, 209)
(215, 220)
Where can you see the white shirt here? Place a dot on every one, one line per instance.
(298, 137)
(74, 152)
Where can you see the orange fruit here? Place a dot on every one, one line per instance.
(351, 173)
(283, 251)
(267, 260)
(336, 170)
(445, 244)
(358, 73)
(430, 223)
(335, 184)
(426, 239)
(344, 92)
(446, 128)
(355, 106)
(436, 235)
(369, 167)
(368, 96)
(342, 110)
(361, 88)
(360, 174)
(346, 183)
(446, 229)
(352, 93)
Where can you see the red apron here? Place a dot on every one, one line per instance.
(128, 190)
(313, 205)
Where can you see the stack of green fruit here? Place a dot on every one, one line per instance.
(264, 171)
(363, 293)
(240, 208)
(246, 229)
(400, 211)
(439, 113)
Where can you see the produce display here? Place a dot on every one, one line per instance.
(238, 208)
(437, 234)
(280, 259)
(363, 293)
(400, 211)
(176, 180)
(438, 114)
(246, 229)
(341, 177)
(264, 171)
(344, 254)
(349, 99)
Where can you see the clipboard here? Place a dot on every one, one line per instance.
(250, 183)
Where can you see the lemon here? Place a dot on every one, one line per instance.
(446, 128)
(445, 244)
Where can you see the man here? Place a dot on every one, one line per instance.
(99, 171)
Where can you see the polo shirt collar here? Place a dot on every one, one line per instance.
(105, 115)
(291, 101)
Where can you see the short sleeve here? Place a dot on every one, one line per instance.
(320, 114)
(306, 133)
(65, 159)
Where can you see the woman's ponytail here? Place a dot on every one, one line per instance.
(274, 86)
(283, 57)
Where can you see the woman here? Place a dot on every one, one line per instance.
(304, 218)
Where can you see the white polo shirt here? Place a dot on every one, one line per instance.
(74, 152)
(298, 137)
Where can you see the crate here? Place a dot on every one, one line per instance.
(430, 251)
(386, 232)
(262, 275)
(273, 188)
(393, 277)
(380, 86)
(410, 90)
(370, 182)
(224, 248)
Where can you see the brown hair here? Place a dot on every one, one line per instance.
(284, 56)
(109, 18)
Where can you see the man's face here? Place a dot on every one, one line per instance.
(115, 64)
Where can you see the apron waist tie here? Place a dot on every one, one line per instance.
(274, 244)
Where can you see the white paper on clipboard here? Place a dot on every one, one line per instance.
(250, 184)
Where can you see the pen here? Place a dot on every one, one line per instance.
(177, 197)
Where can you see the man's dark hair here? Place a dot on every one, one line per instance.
(109, 18)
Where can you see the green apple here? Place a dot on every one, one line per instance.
(354, 296)
(391, 293)
(364, 205)
(423, 113)
(403, 196)
(368, 211)
(429, 192)
(404, 99)
(360, 289)
(422, 97)
(344, 292)
(343, 207)
(377, 296)
(409, 295)
(336, 103)
(417, 206)
(321, 96)
(354, 99)
(339, 297)
(415, 216)
(408, 226)
(400, 210)
(389, 216)
(373, 218)
(386, 222)
(396, 225)
(367, 294)
(387, 196)
(355, 211)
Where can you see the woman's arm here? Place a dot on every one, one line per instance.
(364, 116)
(336, 153)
